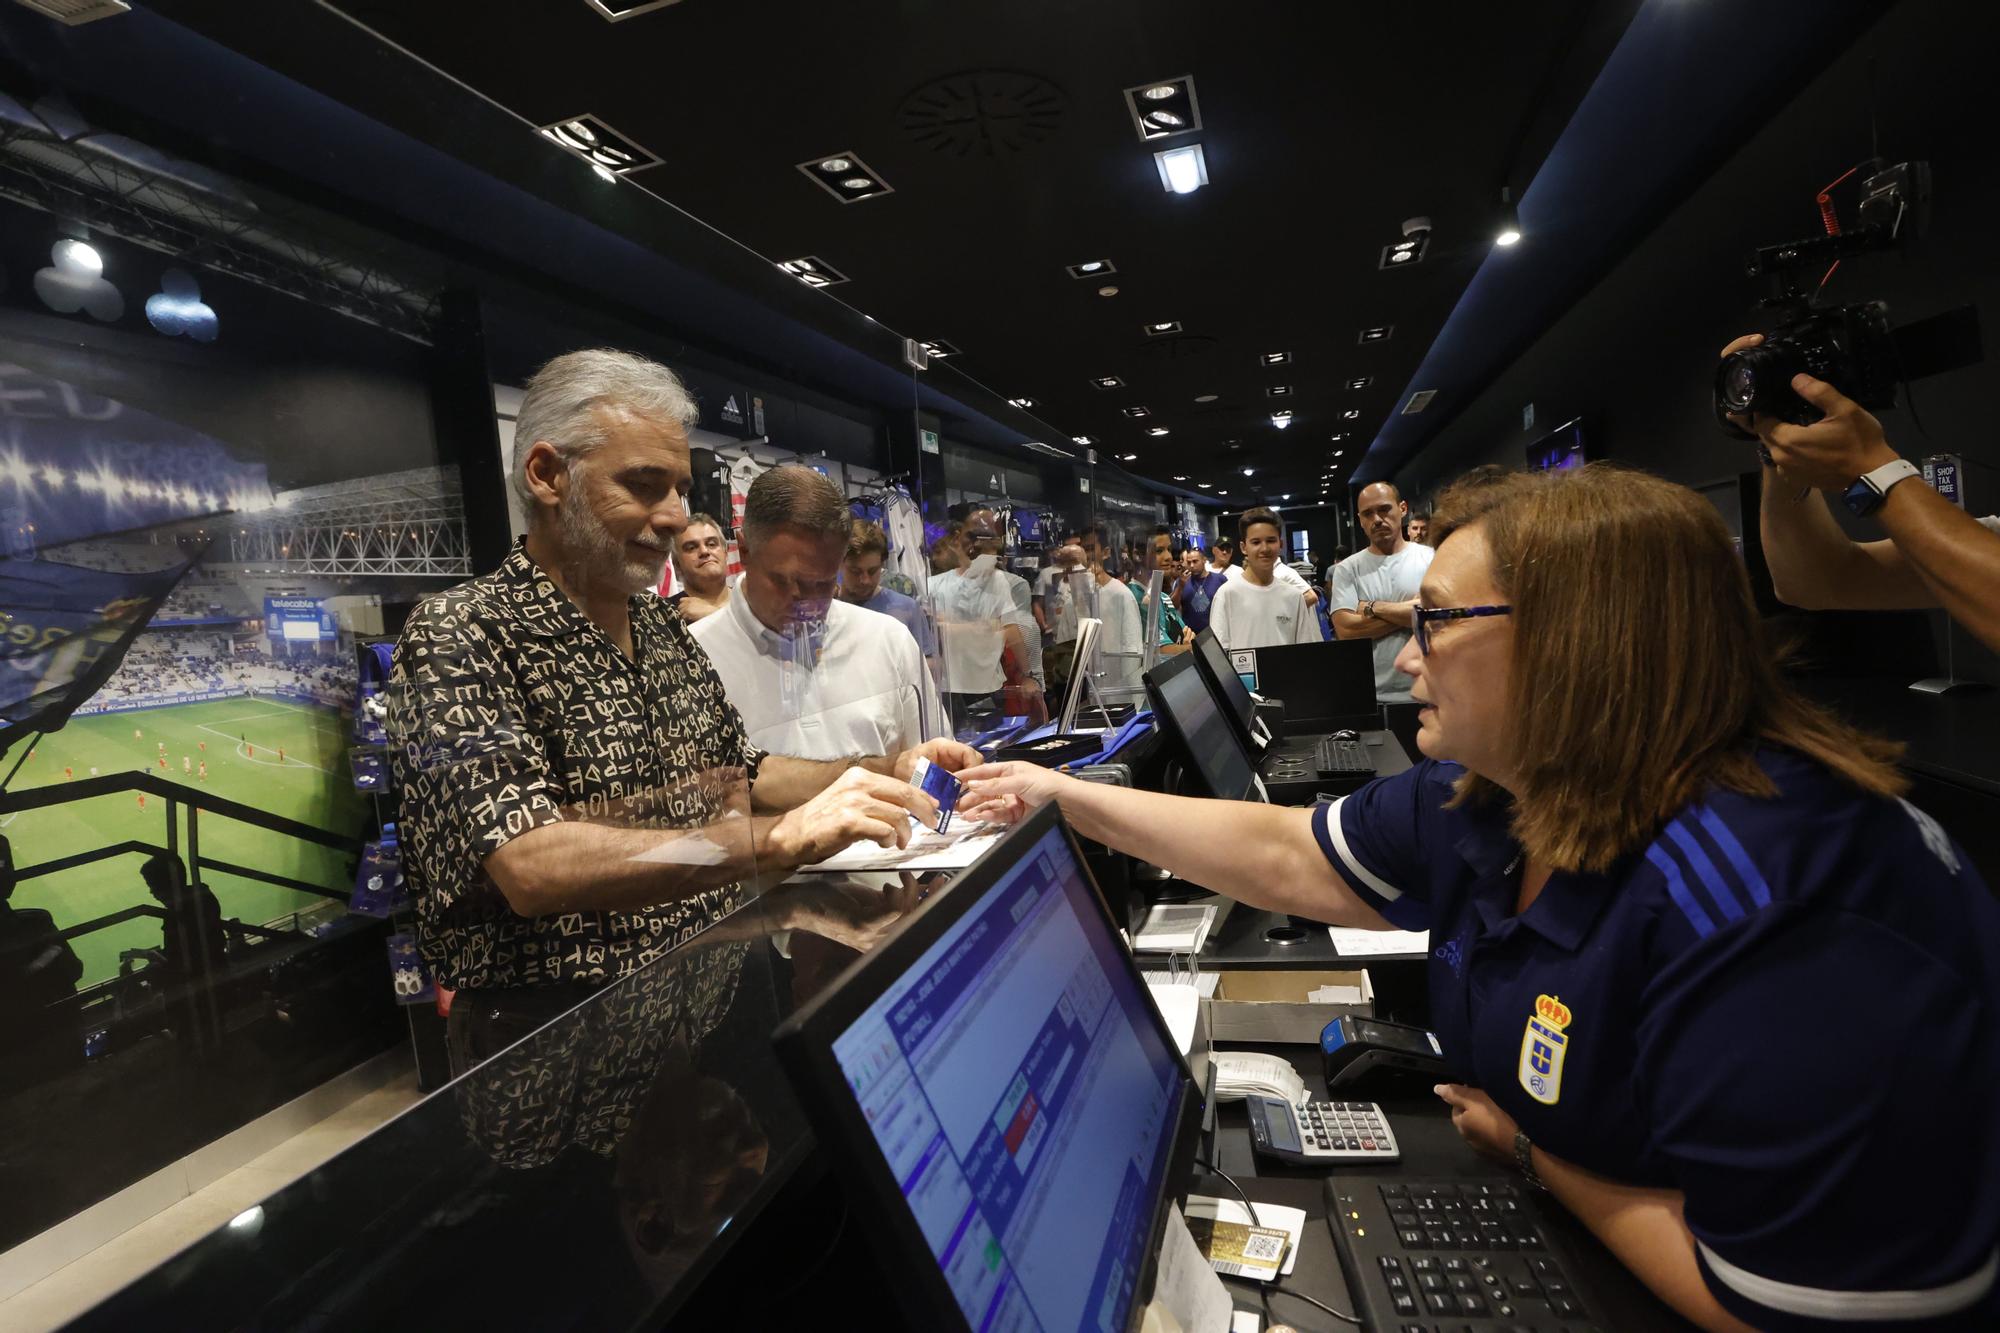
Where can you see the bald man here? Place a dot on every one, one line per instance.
(1375, 589)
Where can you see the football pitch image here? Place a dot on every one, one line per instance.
(276, 755)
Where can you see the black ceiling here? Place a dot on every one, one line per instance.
(1324, 126)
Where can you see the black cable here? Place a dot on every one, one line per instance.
(1230, 1180)
(1301, 1296)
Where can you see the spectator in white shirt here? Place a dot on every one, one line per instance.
(981, 633)
(1375, 589)
(1281, 571)
(701, 559)
(1261, 610)
(1121, 642)
(813, 676)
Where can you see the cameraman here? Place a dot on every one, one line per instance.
(1935, 555)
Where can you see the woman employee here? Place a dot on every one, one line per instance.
(1705, 975)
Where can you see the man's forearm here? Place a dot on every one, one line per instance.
(1810, 558)
(575, 866)
(1354, 625)
(785, 781)
(1957, 557)
(1645, 1229)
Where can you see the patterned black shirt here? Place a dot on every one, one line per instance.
(508, 710)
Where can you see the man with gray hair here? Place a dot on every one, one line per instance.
(578, 794)
(812, 675)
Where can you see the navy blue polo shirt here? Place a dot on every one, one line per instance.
(1787, 1008)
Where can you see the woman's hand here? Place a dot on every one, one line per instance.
(1479, 1121)
(1006, 793)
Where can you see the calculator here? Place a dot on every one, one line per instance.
(1321, 1132)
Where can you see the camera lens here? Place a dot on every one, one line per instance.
(1739, 386)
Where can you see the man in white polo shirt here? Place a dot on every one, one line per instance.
(813, 676)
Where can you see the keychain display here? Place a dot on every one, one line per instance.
(379, 889)
(412, 980)
(370, 772)
(371, 709)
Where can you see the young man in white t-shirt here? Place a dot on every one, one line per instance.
(1375, 589)
(1260, 609)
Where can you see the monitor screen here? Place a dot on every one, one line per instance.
(1562, 448)
(1234, 685)
(1024, 1098)
(1213, 746)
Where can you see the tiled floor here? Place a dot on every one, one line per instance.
(71, 1290)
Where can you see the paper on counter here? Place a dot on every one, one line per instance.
(1335, 995)
(1203, 983)
(1351, 943)
(1186, 1285)
(1180, 1006)
(1246, 1321)
(1174, 928)
(1291, 1221)
(928, 850)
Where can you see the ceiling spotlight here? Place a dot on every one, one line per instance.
(1275, 359)
(1249, 471)
(605, 172)
(1180, 478)
(591, 139)
(1136, 412)
(813, 271)
(1126, 458)
(940, 348)
(1351, 414)
(1510, 219)
(1182, 170)
(846, 177)
(1361, 381)
(1281, 419)
(1340, 453)
(80, 256)
(1163, 328)
(1204, 484)
(1085, 440)
(1090, 268)
(1286, 496)
(1163, 109)
(1156, 430)
(1107, 382)
(1278, 391)
(1022, 403)
(1205, 397)
(1380, 333)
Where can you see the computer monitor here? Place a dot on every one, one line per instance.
(998, 1086)
(1324, 686)
(1213, 661)
(1189, 711)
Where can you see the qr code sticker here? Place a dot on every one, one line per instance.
(1264, 1246)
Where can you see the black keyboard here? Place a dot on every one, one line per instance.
(1340, 755)
(1427, 1257)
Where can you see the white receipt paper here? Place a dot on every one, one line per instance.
(1351, 943)
(1187, 1286)
(928, 850)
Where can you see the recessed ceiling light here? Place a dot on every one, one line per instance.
(1126, 458)
(812, 271)
(1281, 419)
(1361, 381)
(1275, 358)
(1163, 109)
(1021, 402)
(1091, 268)
(1340, 435)
(1085, 440)
(846, 177)
(1182, 170)
(1278, 391)
(1107, 291)
(1107, 382)
(1403, 247)
(1156, 430)
(1163, 328)
(1508, 236)
(606, 172)
(1180, 478)
(1205, 397)
(592, 139)
(1286, 496)
(1204, 484)
(1351, 414)
(1340, 453)
(1380, 333)
(1136, 411)
(1510, 219)
(1249, 471)
(939, 347)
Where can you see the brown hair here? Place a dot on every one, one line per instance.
(865, 538)
(1640, 674)
(793, 497)
(1252, 517)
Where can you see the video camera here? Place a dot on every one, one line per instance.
(1852, 346)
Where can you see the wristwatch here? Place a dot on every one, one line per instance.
(1870, 489)
(1368, 608)
(1524, 1157)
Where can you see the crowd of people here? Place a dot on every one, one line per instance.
(167, 665)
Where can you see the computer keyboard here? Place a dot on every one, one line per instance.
(1337, 754)
(1431, 1256)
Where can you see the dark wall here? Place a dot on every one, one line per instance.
(1634, 358)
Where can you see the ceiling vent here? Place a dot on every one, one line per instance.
(73, 12)
(598, 144)
(617, 11)
(984, 113)
(1419, 400)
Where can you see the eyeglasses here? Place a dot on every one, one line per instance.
(1426, 616)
